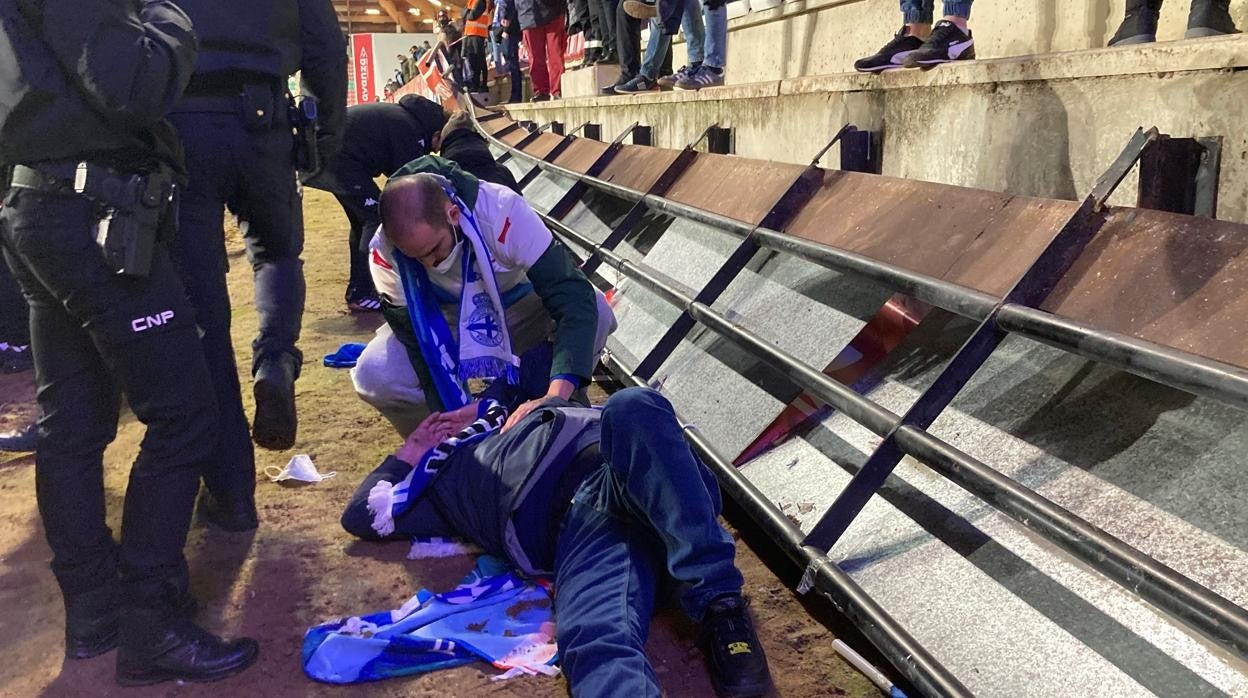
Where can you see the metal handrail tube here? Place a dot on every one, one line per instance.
(1187, 372)
(905, 653)
(1220, 620)
(957, 299)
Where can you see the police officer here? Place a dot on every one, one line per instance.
(85, 88)
(236, 123)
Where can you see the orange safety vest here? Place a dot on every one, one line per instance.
(477, 27)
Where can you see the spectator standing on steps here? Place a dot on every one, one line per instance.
(546, 37)
(920, 45)
(509, 23)
(1205, 18)
(235, 121)
(86, 87)
(710, 73)
(653, 76)
(476, 31)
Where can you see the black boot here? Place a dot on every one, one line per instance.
(92, 622)
(733, 652)
(237, 513)
(590, 58)
(1209, 18)
(160, 645)
(1139, 26)
(276, 422)
(609, 57)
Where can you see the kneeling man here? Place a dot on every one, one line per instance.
(612, 502)
(470, 278)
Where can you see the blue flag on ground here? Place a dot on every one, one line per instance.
(493, 615)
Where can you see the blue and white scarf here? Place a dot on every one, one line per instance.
(484, 346)
(388, 500)
(493, 615)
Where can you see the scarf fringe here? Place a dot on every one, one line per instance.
(381, 504)
(488, 367)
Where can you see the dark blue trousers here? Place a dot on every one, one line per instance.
(253, 173)
(651, 513)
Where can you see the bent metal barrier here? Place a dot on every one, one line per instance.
(1084, 277)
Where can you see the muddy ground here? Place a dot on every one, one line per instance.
(299, 568)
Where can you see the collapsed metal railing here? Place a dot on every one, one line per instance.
(1206, 612)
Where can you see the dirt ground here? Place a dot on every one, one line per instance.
(300, 568)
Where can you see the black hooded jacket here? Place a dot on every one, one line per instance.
(462, 144)
(380, 138)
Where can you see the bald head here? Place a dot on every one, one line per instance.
(419, 217)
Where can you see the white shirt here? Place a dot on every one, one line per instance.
(513, 233)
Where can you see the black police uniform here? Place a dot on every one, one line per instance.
(377, 140)
(235, 125)
(83, 125)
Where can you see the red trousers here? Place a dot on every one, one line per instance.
(546, 44)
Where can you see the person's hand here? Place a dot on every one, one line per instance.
(523, 411)
(428, 434)
(559, 388)
(506, 23)
(456, 420)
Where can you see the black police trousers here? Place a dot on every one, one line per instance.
(95, 335)
(252, 173)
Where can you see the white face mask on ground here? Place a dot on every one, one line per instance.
(299, 468)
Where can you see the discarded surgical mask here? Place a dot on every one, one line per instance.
(299, 468)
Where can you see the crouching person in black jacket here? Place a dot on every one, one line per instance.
(611, 501)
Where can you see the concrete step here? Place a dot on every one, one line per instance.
(1044, 125)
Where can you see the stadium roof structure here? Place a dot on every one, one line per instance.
(384, 16)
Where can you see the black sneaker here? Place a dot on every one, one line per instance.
(1209, 18)
(734, 654)
(637, 85)
(1139, 25)
(892, 55)
(947, 43)
(21, 440)
(363, 302)
(611, 89)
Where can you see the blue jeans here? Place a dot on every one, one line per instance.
(920, 11)
(651, 509)
(695, 38)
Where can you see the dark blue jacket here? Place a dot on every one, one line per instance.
(94, 81)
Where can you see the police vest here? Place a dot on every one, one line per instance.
(254, 36)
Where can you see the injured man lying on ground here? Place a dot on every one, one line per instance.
(610, 501)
